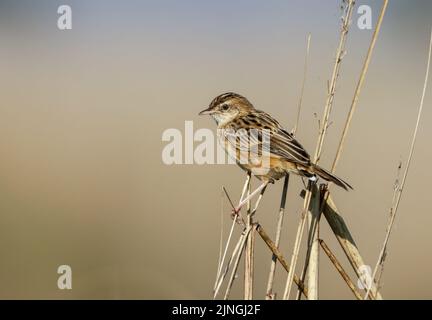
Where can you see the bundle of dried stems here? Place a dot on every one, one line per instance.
(317, 202)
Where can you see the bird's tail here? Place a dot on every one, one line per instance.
(326, 175)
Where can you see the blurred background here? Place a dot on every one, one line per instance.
(82, 113)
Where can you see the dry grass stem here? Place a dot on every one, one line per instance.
(222, 262)
(346, 20)
(300, 103)
(315, 201)
(394, 209)
(340, 269)
(236, 216)
(395, 192)
(249, 255)
(312, 264)
(340, 52)
(250, 248)
(345, 239)
(221, 237)
(269, 291)
(272, 246)
(312, 250)
(359, 85)
(241, 245)
(297, 243)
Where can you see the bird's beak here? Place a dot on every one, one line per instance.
(207, 111)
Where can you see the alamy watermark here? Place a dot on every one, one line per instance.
(365, 278)
(64, 281)
(64, 21)
(245, 147)
(364, 22)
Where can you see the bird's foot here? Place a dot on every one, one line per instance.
(235, 215)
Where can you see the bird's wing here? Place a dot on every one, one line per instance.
(254, 127)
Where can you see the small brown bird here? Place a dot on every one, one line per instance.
(233, 113)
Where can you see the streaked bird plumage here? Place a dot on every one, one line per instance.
(234, 113)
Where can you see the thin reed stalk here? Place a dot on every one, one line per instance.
(297, 243)
(346, 241)
(235, 217)
(312, 252)
(340, 269)
(313, 245)
(359, 85)
(270, 281)
(340, 52)
(272, 246)
(393, 210)
(222, 261)
(269, 291)
(346, 20)
(242, 241)
(220, 238)
(234, 255)
(305, 67)
(249, 254)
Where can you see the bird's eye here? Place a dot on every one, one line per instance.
(225, 107)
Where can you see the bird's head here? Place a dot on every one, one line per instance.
(226, 107)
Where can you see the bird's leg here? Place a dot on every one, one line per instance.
(257, 203)
(250, 196)
(245, 186)
(235, 213)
